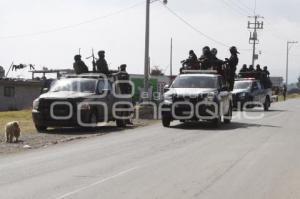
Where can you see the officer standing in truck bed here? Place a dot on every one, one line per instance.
(79, 66)
(101, 64)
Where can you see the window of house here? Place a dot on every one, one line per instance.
(9, 91)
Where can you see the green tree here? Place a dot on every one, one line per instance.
(298, 83)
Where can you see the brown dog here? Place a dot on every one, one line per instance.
(12, 129)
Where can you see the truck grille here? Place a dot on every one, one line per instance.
(59, 110)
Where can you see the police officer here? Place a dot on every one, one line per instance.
(122, 75)
(284, 91)
(101, 64)
(205, 59)
(244, 69)
(215, 62)
(266, 71)
(251, 68)
(258, 68)
(125, 86)
(79, 66)
(232, 62)
(192, 61)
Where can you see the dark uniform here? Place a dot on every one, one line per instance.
(232, 62)
(122, 75)
(125, 87)
(244, 69)
(192, 62)
(215, 62)
(251, 68)
(79, 66)
(284, 91)
(266, 78)
(266, 71)
(101, 64)
(258, 69)
(205, 59)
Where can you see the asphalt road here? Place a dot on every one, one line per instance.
(250, 158)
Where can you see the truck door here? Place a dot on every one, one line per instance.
(255, 92)
(261, 92)
(106, 97)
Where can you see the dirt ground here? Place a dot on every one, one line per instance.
(30, 139)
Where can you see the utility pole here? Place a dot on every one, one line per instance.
(171, 61)
(147, 37)
(253, 40)
(288, 47)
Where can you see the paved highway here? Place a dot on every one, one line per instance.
(249, 158)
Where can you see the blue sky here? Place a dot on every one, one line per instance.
(122, 35)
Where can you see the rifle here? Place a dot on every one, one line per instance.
(94, 60)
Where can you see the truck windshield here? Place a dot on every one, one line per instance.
(75, 85)
(242, 85)
(195, 82)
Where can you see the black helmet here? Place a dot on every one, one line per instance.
(265, 67)
(233, 50)
(123, 66)
(214, 51)
(77, 57)
(191, 52)
(206, 50)
(101, 52)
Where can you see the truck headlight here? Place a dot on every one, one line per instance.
(211, 96)
(168, 99)
(242, 95)
(35, 104)
(85, 107)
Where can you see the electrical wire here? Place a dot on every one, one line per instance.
(197, 30)
(74, 25)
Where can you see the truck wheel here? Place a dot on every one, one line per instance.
(216, 122)
(166, 122)
(40, 129)
(267, 104)
(121, 123)
(93, 119)
(228, 116)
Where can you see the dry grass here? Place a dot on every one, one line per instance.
(291, 96)
(24, 117)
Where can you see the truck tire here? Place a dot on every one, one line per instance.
(121, 123)
(40, 129)
(93, 119)
(216, 122)
(267, 104)
(228, 116)
(166, 121)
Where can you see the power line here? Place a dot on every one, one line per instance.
(197, 30)
(74, 25)
(238, 11)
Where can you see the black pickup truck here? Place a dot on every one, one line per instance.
(250, 93)
(75, 101)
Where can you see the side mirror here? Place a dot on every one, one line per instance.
(45, 90)
(166, 88)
